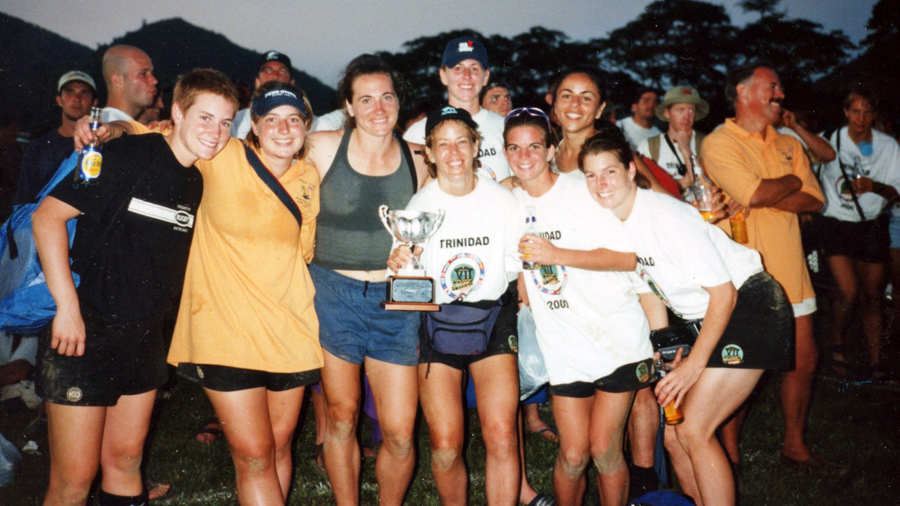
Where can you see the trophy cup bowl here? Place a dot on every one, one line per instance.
(410, 289)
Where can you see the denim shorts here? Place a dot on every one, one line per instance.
(353, 325)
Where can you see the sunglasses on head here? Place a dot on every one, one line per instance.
(527, 111)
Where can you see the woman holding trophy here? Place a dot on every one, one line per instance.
(363, 167)
(744, 318)
(472, 257)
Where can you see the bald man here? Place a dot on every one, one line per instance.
(130, 84)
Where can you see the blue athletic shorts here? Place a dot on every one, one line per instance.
(353, 325)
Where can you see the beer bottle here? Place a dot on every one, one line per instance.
(702, 190)
(90, 159)
(527, 264)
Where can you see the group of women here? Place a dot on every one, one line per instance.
(270, 307)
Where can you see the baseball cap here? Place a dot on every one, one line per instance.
(437, 116)
(275, 56)
(464, 48)
(75, 75)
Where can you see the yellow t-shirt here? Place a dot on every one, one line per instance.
(737, 161)
(248, 296)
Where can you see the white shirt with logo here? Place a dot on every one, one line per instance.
(474, 253)
(490, 151)
(668, 160)
(679, 253)
(588, 323)
(883, 166)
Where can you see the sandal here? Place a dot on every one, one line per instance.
(318, 459)
(542, 500)
(880, 373)
(839, 366)
(210, 433)
(157, 490)
(550, 433)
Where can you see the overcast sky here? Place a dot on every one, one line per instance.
(321, 36)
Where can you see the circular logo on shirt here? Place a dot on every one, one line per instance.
(732, 354)
(183, 218)
(487, 170)
(74, 394)
(842, 188)
(642, 371)
(654, 287)
(550, 279)
(462, 274)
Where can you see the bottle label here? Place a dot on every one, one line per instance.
(90, 165)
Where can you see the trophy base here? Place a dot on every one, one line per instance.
(410, 306)
(410, 293)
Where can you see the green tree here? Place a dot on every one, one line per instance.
(880, 63)
(801, 51)
(674, 42)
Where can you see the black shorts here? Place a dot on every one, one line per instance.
(119, 359)
(627, 378)
(760, 332)
(504, 340)
(222, 378)
(866, 241)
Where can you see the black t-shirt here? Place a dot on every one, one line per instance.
(42, 157)
(137, 267)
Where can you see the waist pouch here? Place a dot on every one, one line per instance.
(667, 340)
(462, 328)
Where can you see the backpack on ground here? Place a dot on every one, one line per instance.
(25, 301)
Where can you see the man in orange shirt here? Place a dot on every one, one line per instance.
(768, 173)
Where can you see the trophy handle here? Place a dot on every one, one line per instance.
(437, 223)
(383, 211)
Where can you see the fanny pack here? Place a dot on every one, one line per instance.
(667, 340)
(462, 328)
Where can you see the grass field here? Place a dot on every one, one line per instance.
(855, 424)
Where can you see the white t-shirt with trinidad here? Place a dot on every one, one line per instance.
(588, 323)
(490, 152)
(679, 253)
(474, 253)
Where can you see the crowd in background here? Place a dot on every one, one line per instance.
(284, 283)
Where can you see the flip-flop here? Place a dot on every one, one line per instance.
(213, 429)
(157, 490)
(542, 500)
(549, 433)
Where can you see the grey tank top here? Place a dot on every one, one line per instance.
(349, 233)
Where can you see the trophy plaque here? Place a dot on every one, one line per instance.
(410, 289)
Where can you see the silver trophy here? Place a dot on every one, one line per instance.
(410, 289)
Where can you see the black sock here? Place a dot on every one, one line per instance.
(107, 499)
(643, 480)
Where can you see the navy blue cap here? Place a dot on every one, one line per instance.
(464, 48)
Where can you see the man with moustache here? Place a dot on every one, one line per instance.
(768, 173)
(130, 84)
